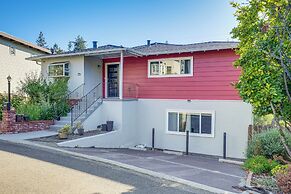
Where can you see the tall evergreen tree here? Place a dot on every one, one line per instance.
(56, 49)
(79, 43)
(41, 40)
(70, 46)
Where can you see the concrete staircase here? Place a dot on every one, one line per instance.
(67, 119)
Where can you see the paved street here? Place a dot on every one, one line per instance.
(196, 168)
(34, 170)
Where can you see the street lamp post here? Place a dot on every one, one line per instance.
(9, 94)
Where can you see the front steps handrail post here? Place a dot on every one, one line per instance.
(85, 103)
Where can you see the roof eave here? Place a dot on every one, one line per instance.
(25, 43)
(84, 53)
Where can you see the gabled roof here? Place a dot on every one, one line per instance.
(145, 50)
(23, 42)
(165, 48)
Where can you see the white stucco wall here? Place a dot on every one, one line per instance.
(134, 121)
(15, 65)
(86, 70)
(123, 113)
(76, 69)
(232, 117)
(92, 72)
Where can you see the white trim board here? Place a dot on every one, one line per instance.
(212, 112)
(168, 76)
(106, 77)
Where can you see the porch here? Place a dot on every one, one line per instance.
(108, 77)
(99, 81)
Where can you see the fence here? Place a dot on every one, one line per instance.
(253, 129)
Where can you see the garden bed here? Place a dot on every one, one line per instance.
(266, 182)
(55, 138)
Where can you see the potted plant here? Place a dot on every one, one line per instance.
(80, 128)
(63, 132)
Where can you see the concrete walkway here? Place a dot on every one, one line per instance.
(28, 135)
(196, 168)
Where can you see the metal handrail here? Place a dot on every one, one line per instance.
(77, 88)
(85, 103)
(66, 99)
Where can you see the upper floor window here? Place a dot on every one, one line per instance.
(171, 67)
(199, 123)
(58, 69)
(12, 50)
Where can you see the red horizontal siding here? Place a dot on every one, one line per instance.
(212, 80)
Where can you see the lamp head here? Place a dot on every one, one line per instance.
(9, 78)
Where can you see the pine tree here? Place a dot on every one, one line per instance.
(79, 43)
(70, 46)
(41, 40)
(56, 49)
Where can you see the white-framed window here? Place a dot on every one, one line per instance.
(12, 50)
(199, 123)
(170, 67)
(59, 69)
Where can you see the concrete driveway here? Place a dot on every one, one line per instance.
(205, 170)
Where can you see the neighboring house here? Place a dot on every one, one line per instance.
(169, 87)
(13, 54)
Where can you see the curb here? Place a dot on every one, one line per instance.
(230, 161)
(133, 168)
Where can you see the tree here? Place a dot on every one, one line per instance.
(77, 45)
(264, 32)
(56, 49)
(41, 40)
(70, 46)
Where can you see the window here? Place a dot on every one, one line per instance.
(58, 69)
(12, 50)
(198, 123)
(170, 67)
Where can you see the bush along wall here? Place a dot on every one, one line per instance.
(9, 124)
(268, 144)
(45, 100)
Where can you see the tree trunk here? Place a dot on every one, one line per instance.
(281, 133)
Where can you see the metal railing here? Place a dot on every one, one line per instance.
(77, 93)
(85, 102)
(65, 103)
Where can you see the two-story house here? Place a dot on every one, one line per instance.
(172, 88)
(13, 54)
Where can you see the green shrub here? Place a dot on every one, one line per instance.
(16, 100)
(47, 111)
(50, 96)
(61, 108)
(30, 109)
(268, 144)
(36, 111)
(260, 164)
(279, 169)
(35, 87)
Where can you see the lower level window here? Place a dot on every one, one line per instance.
(195, 122)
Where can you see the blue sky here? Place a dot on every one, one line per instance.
(120, 22)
